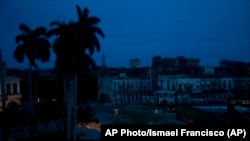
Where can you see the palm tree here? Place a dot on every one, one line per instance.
(88, 30)
(71, 45)
(34, 45)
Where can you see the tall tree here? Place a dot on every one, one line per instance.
(34, 45)
(74, 45)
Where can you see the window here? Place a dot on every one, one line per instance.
(208, 82)
(229, 84)
(224, 84)
(8, 89)
(179, 87)
(224, 96)
(214, 84)
(15, 88)
(168, 84)
(148, 82)
(115, 86)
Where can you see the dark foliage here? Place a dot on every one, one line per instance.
(32, 44)
(13, 117)
(75, 43)
(86, 114)
(87, 88)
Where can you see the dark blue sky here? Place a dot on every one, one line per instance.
(207, 29)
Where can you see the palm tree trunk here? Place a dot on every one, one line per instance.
(65, 106)
(68, 109)
(74, 105)
(65, 102)
(30, 101)
(71, 95)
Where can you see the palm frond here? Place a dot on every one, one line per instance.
(25, 29)
(34, 45)
(42, 49)
(93, 20)
(57, 23)
(39, 31)
(52, 32)
(22, 37)
(90, 63)
(43, 42)
(19, 53)
(79, 12)
(56, 45)
(60, 26)
(90, 60)
(96, 43)
(91, 49)
(32, 62)
(73, 41)
(91, 44)
(85, 13)
(84, 63)
(95, 29)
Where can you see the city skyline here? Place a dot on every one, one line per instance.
(210, 30)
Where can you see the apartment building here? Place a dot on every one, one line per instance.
(12, 90)
(170, 87)
(135, 63)
(9, 86)
(105, 92)
(178, 65)
(131, 89)
(180, 80)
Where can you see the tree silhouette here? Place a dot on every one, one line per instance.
(73, 46)
(34, 45)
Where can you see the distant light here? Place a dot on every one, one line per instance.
(54, 100)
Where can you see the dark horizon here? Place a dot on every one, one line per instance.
(210, 30)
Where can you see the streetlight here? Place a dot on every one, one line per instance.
(116, 114)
